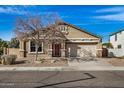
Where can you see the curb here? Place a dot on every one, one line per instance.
(36, 69)
(74, 68)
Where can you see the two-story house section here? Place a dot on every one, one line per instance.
(117, 41)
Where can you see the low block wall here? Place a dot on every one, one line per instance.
(11, 51)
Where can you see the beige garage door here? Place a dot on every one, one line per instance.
(72, 50)
(77, 50)
(87, 50)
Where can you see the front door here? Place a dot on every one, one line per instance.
(56, 50)
(25, 54)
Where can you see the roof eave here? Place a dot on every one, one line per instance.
(116, 32)
(83, 30)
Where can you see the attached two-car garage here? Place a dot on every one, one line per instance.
(81, 50)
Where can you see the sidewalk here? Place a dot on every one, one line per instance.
(37, 69)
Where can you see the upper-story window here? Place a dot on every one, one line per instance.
(33, 47)
(63, 28)
(119, 46)
(115, 37)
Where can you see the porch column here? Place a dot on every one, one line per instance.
(99, 50)
(21, 50)
(99, 53)
(63, 49)
(50, 50)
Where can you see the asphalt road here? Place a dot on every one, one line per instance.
(64, 79)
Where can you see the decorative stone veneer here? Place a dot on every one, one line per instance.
(50, 52)
(63, 52)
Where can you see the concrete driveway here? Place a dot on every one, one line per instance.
(97, 64)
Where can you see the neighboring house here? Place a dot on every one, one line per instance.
(117, 41)
(78, 44)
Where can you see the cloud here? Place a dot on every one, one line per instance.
(113, 14)
(113, 9)
(12, 10)
(23, 10)
(114, 17)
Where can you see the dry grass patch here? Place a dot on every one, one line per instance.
(116, 61)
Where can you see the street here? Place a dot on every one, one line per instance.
(61, 79)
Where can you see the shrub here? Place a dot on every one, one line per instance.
(8, 59)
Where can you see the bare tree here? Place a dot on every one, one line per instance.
(40, 29)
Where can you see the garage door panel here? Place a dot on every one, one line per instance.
(87, 50)
(72, 49)
(78, 50)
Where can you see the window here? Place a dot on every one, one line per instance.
(33, 47)
(115, 37)
(40, 49)
(63, 28)
(119, 46)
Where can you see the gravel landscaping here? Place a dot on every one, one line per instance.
(64, 62)
(47, 63)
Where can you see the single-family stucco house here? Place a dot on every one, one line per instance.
(78, 42)
(117, 41)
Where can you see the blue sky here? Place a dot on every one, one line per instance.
(99, 19)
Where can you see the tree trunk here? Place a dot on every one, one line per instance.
(36, 53)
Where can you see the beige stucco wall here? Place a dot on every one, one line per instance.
(99, 45)
(75, 33)
(12, 51)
